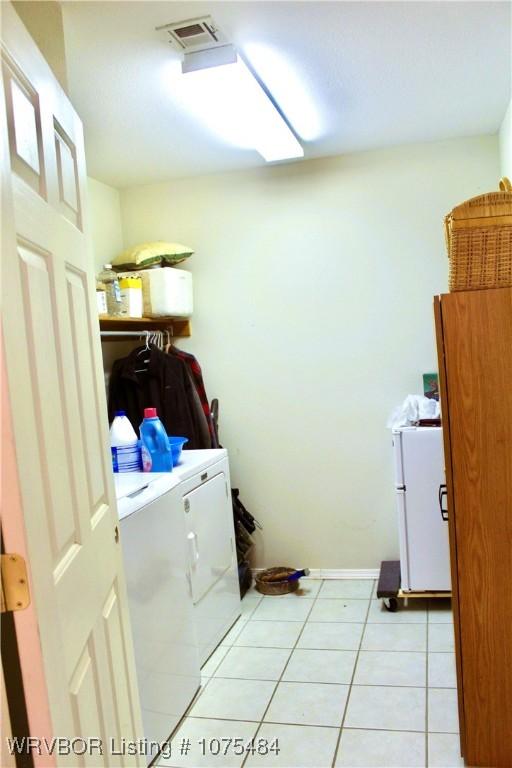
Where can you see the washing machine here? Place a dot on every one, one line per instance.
(156, 563)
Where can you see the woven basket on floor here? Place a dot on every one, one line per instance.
(276, 587)
(479, 241)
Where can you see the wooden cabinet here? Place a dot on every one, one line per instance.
(474, 338)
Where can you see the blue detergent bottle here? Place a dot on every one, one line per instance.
(156, 449)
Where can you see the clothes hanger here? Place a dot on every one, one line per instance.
(145, 349)
(156, 339)
(169, 343)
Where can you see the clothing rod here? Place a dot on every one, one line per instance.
(131, 334)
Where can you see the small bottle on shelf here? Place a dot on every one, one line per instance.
(112, 289)
(101, 299)
(131, 296)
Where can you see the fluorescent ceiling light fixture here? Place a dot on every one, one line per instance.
(219, 88)
(287, 87)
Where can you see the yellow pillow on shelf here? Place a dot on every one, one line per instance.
(152, 255)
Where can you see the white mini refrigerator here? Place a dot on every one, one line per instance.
(422, 517)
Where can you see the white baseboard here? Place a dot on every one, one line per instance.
(337, 573)
(348, 573)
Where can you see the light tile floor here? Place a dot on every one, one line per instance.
(333, 677)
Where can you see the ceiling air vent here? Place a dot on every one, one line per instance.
(194, 34)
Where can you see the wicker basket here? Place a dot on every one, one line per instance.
(276, 587)
(479, 241)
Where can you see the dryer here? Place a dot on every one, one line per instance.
(205, 498)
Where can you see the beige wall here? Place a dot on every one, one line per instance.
(506, 143)
(43, 19)
(106, 242)
(313, 289)
(106, 237)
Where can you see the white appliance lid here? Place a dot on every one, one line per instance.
(128, 483)
(142, 490)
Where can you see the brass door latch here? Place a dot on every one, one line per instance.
(15, 591)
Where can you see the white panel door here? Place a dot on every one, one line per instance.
(208, 517)
(53, 361)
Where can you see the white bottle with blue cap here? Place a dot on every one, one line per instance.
(124, 445)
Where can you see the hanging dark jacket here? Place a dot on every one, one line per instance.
(166, 386)
(196, 374)
(200, 422)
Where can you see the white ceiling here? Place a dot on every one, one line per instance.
(375, 74)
